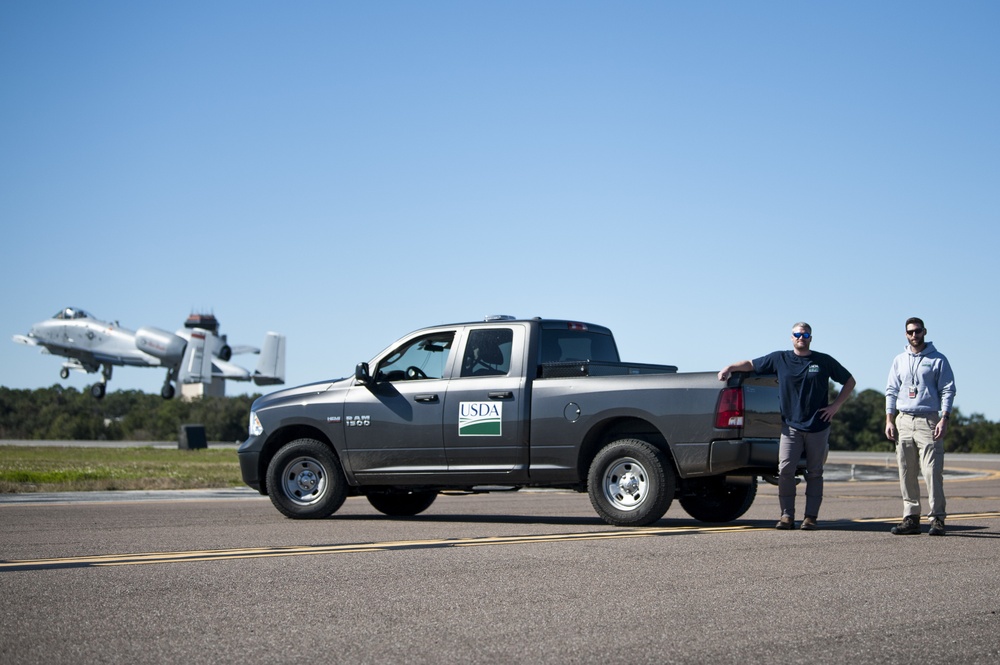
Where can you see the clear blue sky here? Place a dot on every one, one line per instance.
(696, 175)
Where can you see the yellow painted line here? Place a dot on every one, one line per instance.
(192, 556)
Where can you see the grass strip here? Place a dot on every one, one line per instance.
(70, 469)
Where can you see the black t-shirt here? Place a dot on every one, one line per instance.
(803, 385)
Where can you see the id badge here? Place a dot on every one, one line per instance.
(913, 392)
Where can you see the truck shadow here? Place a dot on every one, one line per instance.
(682, 524)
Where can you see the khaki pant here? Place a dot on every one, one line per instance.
(918, 453)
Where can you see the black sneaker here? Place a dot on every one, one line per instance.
(909, 526)
(785, 523)
(808, 524)
(937, 527)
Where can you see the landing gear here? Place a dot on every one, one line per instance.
(98, 389)
(167, 391)
(64, 373)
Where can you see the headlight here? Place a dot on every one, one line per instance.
(255, 427)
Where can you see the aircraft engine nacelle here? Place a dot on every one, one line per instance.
(165, 346)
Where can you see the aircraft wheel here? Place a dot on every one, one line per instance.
(64, 373)
(167, 391)
(97, 390)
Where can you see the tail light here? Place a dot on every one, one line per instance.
(729, 414)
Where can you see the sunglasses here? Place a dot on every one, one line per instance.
(797, 335)
(915, 331)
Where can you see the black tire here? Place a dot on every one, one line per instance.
(714, 500)
(167, 391)
(305, 480)
(401, 503)
(97, 391)
(631, 483)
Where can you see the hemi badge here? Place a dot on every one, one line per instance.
(333, 419)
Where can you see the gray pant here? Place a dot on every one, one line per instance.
(917, 453)
(790, 447)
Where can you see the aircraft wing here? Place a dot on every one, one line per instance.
(123, 360)
(227, 370)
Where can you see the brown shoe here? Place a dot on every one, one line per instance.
(785, 523)
(808, 524)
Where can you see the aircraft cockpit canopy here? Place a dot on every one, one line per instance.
(71, 313)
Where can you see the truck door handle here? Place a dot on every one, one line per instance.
(501, 394)
(427, 399)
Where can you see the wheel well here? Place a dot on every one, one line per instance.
(619, 428)
(279, 439)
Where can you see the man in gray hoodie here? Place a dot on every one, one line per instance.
(918, 402)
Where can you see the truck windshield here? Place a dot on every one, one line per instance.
(422, 358)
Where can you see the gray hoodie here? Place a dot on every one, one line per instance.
(929, 373)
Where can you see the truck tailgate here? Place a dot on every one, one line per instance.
(762, 417)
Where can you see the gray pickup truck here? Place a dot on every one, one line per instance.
(505, 404)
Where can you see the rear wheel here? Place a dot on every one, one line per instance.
(715, 500)
(631, 483)
(401, 503)
(305, 480)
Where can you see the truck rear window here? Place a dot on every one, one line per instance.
(577, 345)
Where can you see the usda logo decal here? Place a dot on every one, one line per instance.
(479, 418)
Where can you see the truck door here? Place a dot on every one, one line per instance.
(485, 413)
(393, 426)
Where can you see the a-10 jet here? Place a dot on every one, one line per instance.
(194, 354)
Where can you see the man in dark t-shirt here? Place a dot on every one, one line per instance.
(806, 412)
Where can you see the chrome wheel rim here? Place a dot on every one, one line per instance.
(304, 481)
(625, 484)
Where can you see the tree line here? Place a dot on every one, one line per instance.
(860, 425)
(59, 413)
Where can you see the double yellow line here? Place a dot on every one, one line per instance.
(267, 552)
(270, 552)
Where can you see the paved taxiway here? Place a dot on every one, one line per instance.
(528, 577)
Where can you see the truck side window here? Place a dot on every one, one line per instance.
(487, 353)
(422, 358)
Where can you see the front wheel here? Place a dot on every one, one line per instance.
(401, 503)
(631, 483)
(305, 480)
(715, 500)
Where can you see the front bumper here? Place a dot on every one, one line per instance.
(249, 456)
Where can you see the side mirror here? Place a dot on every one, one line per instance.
(361, 374)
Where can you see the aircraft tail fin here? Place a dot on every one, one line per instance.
(196, 367)
(271, 364)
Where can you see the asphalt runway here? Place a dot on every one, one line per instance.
(517, 577)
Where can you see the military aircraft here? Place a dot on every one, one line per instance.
(194, 354)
